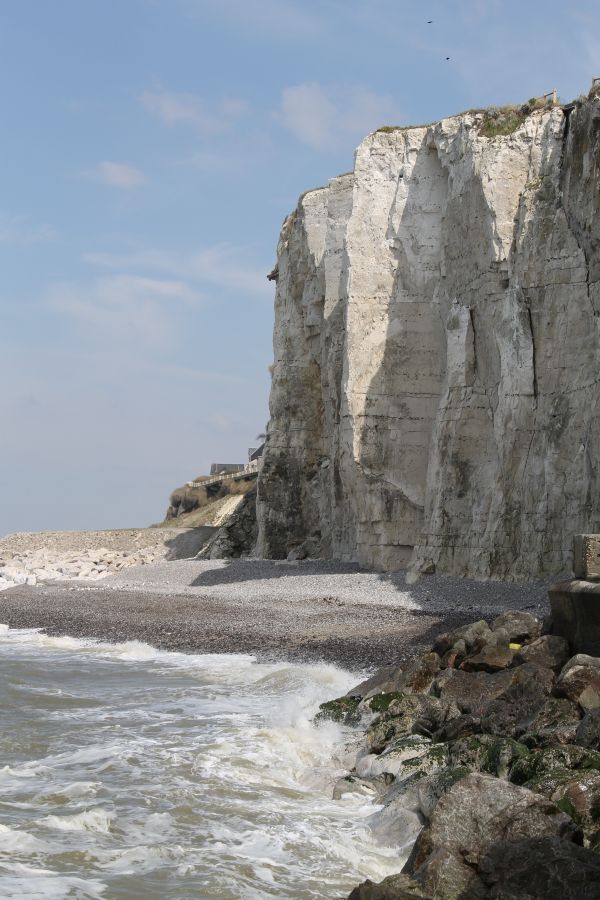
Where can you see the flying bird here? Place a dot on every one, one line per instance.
(430, 21)
(447, 58)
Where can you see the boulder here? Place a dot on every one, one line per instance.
(492, 657)
(407, 714)
(549, 651)
(555, 722)
(342, 710)
(588, 730)
(520, 702)
(472, 634)
(539, 868)
(469, 820)
(537, 765)
(520, 626)
(579, 797)
(432, 787)
(394, 887)
(485, 753)
(579, 681)
(384, 681)
(351, 784)
(471, 692)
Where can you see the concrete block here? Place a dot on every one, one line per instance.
(575, 609)
(586, 556)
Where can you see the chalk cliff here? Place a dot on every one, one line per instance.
(437, 351)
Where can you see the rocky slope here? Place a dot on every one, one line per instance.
(435, 385)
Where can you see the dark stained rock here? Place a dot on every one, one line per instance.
(416, 677)
(432, 787)
(469, 820)
(579, 797)
(463, 726)
(343, 710)
(539, 868)
(491, 658)
(588, 730)
(419, 675)
(471, 691)
(579, 681)
(538, 764)
(407, 714)
(520, 702)
(395, 887)
(549, 651)
(485, 753)
(520, 626)
(555, 722)
(384, 681)
(469, 634)
(453, 657)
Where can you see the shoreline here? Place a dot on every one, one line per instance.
(309, 612)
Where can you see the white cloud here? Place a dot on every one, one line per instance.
(191, 109)
(123, 308)
(224, 265)
(326, 119)
(21, 230)
(119, 175)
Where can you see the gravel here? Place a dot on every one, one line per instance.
(309, 611)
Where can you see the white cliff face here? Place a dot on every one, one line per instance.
(437, 355)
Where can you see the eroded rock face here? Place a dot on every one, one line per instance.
(434, 397)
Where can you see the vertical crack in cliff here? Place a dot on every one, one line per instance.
(533, 362)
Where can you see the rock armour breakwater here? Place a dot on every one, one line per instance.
(435, 385)
(484, 752)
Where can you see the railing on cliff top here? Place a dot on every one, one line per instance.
(250, 470)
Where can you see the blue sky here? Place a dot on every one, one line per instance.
(150, 151)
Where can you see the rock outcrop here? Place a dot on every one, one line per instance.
(435, 385)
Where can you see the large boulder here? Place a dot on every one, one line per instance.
(519, 626)
(474, 815)
(534, 766)
(579, 681)
(476, 634)
(471, 691)
(539, 868)
(555, 722)
(406, 714)
(526, 694)
(549, 651)
(384, 681)
(588, 730)
(395, 887)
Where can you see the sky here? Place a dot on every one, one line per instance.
(150, 151)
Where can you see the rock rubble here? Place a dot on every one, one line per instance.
(32, 558)
(491, 774)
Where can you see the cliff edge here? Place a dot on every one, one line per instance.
(437, 356)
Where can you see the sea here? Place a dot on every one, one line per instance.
(131, 772)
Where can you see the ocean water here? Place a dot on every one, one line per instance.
(129, 772)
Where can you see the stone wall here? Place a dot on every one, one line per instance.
(434, 397)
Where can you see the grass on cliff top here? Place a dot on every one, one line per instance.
(499, 121)
(496, 121)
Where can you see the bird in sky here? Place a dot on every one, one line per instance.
(430, 21)
(447, 58)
